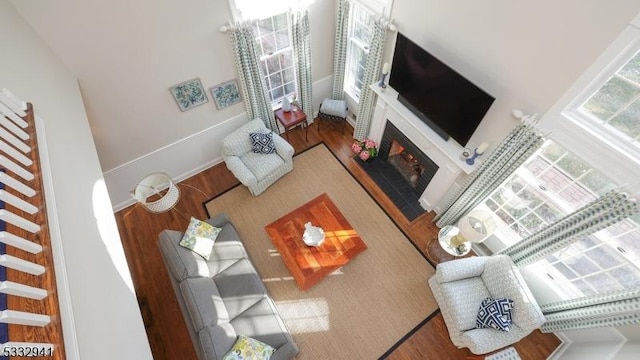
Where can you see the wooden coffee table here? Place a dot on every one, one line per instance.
(310, 264)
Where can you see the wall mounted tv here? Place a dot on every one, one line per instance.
(450, 104)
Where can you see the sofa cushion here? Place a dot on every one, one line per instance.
(262, 165)
(228, 245)
(240, 287)
(199, 237)
(217, 340)
(181, 263)
(334, 107)
(249, 348)
(495, 313)
(262, 322)
(262, 143)
(204, 302)
(464, 297)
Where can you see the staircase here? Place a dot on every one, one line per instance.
(30, 321)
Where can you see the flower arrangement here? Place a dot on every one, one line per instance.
(366, 149)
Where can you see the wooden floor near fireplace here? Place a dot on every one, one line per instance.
(165, 326)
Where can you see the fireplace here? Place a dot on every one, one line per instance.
(401, 170)
(414, 167)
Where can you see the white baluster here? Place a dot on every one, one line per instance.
(19, 221)
(17, 185)
(12, 288)
(19, 170)
(13, 262)
(24, 318)
(17, 202)
(4, 110)
(11, 139)
(19, 242)
(11, 151)
(17, 105)
(13, 128)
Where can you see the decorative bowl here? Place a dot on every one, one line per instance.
(313, 235)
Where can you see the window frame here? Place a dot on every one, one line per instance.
(605, 242)
(567, 126)
(563, 124)
(351, 78)
(265, 57)
(592, 124)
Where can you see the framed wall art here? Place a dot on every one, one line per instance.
(225, 94)
(189, 94)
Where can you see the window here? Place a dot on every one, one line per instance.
(551, 184)
(276, 56)
(594, 147)
(360, 25)
(615, 107)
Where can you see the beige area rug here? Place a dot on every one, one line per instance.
(362, 309)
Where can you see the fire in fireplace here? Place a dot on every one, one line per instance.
(406, 163)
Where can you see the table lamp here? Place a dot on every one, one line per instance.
(475, 227)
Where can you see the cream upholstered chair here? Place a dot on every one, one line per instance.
(257, 171)
(461, 285)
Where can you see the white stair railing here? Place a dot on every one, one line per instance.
(32, 305)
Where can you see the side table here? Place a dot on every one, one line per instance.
(445, 235)
(291, 119)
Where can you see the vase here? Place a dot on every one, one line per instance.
(286, 104)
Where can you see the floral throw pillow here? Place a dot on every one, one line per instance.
(495, 313)
(199, 237)
(247, 348)
(262, 143)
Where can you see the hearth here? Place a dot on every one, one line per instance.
(401, 170)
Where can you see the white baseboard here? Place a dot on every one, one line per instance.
(182, 159)
(185, 157)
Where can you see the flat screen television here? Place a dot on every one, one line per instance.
(450, 104)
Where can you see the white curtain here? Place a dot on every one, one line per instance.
(512, 152)
(605, 310)
(597, 215)
(372, 69)
(340, 49)
(251, 79)
(301, 35)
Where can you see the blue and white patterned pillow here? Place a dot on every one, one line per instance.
(495, 313)
(262, 143)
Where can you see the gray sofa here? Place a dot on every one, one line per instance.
(223, 297)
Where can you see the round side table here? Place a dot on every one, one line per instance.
(444, 238)
(446, 251)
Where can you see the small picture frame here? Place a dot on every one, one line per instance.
(225, 94)
(189, 94)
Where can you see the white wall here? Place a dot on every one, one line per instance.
(525, 53)
(106, 321)
(127, 54)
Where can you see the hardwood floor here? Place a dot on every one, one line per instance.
(163, 321)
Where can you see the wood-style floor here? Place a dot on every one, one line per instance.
(163, 321)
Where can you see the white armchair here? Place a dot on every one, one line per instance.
(459, 287)
(256, 171)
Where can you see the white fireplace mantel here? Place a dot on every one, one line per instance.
(445, 153)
